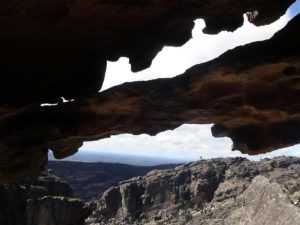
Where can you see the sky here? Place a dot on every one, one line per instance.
(188, 142)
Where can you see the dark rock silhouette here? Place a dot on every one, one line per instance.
(46, 200)
(59, 48)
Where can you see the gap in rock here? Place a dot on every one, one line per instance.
(64, 100)
(172, 61)
(188, 142)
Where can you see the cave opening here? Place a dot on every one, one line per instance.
(154, 163)
(170, 62)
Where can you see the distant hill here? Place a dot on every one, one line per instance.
(90, 180)
(88, 156)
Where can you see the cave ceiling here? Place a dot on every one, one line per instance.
(50, 49)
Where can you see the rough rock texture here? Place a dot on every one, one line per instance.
(48, 50)
(46, 200)
(251, 93)
(232, 191)
(56, 211)
(261, 203)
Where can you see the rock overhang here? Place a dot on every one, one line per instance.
(250, 93)
(59, 48)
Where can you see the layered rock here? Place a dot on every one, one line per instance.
(46, 200)
(50, 50)
(218, 191)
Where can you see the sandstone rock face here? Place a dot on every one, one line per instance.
(218, 191)
(251, 93)
(47, 200)
(264, 201)
(261, 203)
(56, 211)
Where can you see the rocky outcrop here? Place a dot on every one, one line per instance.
(56, 210)
(232, 191)
(218, 191)
(251, 93)
(261, 203)
(46, 200)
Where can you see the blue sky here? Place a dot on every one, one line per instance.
(294, 9)
(187, 142)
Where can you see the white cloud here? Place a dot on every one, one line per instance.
(188, 142)
(172, 61)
